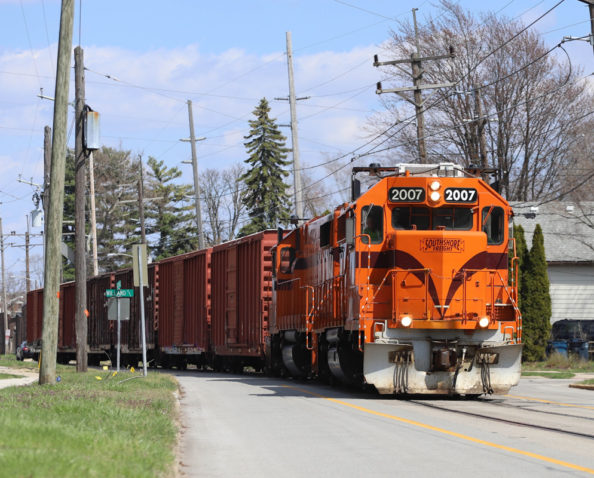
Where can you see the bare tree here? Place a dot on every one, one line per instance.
(234, 204)
(531, 101)
(222, 199)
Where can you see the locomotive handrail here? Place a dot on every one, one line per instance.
(368, 267)
(309, 321)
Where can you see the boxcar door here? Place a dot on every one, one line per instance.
(231, 296)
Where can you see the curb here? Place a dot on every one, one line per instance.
(582, 386)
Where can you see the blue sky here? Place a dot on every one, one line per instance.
(224, 56)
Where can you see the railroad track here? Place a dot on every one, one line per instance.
(509, 421)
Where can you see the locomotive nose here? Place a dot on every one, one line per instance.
(443, 256)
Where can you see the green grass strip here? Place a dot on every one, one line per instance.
(549, 374)
(9, 375)
(82, 426)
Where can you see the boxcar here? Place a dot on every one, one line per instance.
(241, 277)
(184, 309)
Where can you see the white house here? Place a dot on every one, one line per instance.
(568, 230)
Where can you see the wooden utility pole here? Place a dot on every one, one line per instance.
(298, 190)
(80, 183)
(141, 202)
(47, 161)
(93, 214)
(4, 303)
(196, 183)
(416, 62)
(53, 255)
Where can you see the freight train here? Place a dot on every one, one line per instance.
(410, 287)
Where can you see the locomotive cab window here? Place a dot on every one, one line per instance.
(410, 218)
(287, 260)
(372, 224)
(452, 218)
(493, 219)
(325, 234)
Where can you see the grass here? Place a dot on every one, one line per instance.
(560, 363)
(549, 374)
(87, 427)
(590, 381)
(9, 375)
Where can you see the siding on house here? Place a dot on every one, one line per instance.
(572, 291)
(568, 230)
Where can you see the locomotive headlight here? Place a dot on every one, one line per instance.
(483, 322)
(434, 196)
(406, 321)
(435, 185)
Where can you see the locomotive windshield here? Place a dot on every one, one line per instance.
(372, 224)
(423, 218)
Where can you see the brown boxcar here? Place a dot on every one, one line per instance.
(34, 315)
(184, 308)
(241, 278)
(101, 332)
(66, 329)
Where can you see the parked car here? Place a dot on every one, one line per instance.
(24, 351)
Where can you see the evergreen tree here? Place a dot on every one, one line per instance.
(266, 197)
(116, 206)
(536, 317)
(68, 216)
(521, 252)
(171, 217)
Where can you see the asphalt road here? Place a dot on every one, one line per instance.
(249, 425)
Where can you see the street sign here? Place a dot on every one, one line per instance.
(112, 308)
(119, 293)
(119, 284)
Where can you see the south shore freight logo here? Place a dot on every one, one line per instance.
(442, 245)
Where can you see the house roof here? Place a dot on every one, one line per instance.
(568, 228)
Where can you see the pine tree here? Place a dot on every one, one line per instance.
(266, 197)
(68, 216)
(536, 317)
(171, 217)
(116, 199)
(521, 253)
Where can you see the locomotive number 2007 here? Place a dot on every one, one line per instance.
(406, 194)
(460, 195)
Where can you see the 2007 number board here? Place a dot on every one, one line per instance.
(406, 194)
(463, 195)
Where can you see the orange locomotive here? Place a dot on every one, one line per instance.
(407, 288)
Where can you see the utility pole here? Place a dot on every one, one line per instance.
(298, 190)
(196, 183)
(93, 214)
(4, 303)
(47, 160)
(53, 255)
(416, 62)
(141, 202)
(80, 182)
(590, 4)
(27, 271)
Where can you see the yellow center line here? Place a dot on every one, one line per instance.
(449, 432)
(549, 401)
